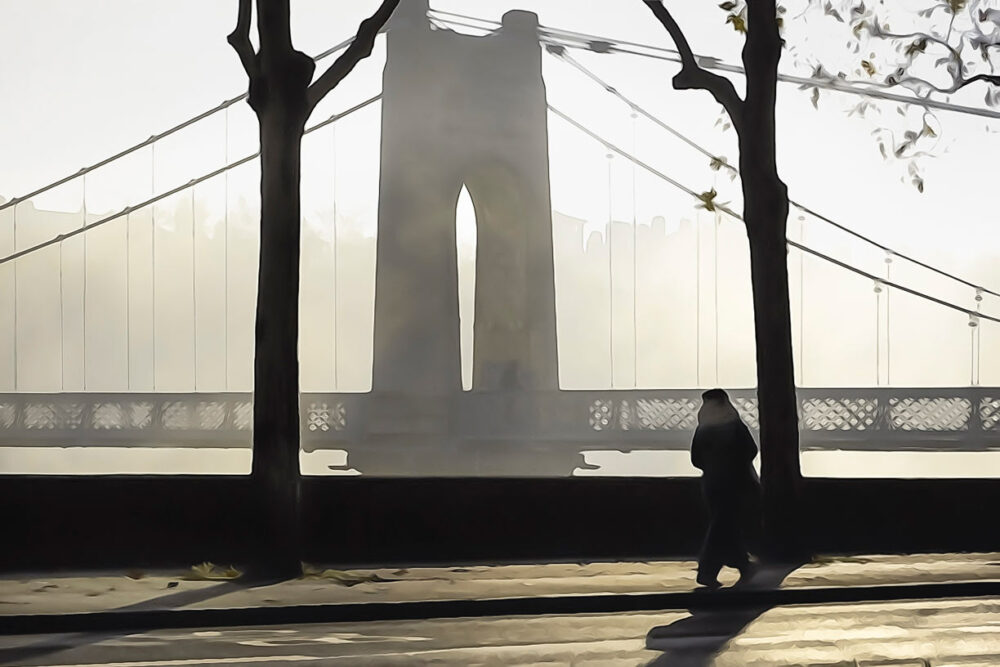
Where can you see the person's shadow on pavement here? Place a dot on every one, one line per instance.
(695, 640)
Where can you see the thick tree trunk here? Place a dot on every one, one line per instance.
(283, 95)
(765, 201)
(766, 212)
(275, 473)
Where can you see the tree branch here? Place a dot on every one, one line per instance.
(239, 39)
(359, 49)
(917, 36)
(989, 78)
(692, 75)
(958, 83)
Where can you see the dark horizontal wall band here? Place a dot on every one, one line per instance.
(118, 521)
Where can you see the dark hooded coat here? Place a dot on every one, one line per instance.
(724, 450)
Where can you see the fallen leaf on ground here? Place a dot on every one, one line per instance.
(211, 572)
(342, 577)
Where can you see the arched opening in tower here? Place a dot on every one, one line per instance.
(466, 237)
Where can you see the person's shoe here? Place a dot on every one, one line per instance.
(747, 573)
(709, 583)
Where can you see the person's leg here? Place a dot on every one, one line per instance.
(709, 562)
(731, 547)
(737, 555)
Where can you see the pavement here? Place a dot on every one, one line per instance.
(215, 596)
(925, 633)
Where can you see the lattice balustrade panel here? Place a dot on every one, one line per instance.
(624, 415)
(8, 415)
(140, 414)
(324, 417)
(243, 415)
(644, 414)
(665, 414)
(194, 416)
(53, 416)
(930, 414)
(659, 414)
(601, 414)
(177, 416)
(120, 415)
(747, 407)
(989, 413)
(839, 414)
(211, 415)
(108, 416)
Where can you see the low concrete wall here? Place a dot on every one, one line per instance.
(119, 521)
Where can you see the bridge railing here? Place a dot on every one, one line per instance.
(887, 419)
(891, 418)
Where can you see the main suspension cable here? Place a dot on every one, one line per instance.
(225, 104)
(607, 45)
(720, 162)
(725, 209)
(190, 184)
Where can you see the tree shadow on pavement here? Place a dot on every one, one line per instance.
(694, 641)
(51, 644)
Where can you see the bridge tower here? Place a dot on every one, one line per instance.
(460, 109)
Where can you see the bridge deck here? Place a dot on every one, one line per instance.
(949, 419)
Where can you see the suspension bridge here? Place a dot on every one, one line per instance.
(134, 328)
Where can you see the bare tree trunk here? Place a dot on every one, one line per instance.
(275, 472)
(766, 211)
(283, 95)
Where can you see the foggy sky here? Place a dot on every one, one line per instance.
(82, 94)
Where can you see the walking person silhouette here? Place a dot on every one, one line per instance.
(724, 450)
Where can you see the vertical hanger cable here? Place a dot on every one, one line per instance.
(194, 287)
(152, 255)
(225, 263)
(15, 301)
(128, 300)
(635, 257)
(84, 284)
(336, 248)
(611, 282)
